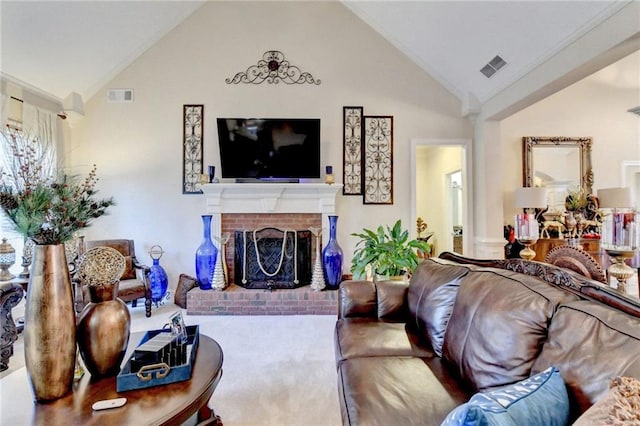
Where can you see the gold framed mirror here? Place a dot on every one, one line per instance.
(559, 164)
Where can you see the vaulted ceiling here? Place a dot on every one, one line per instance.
(83, 44)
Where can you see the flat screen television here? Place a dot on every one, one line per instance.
(269, 149)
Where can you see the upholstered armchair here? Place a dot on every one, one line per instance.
(135, 282)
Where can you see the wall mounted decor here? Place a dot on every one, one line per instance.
(193, 121)
(378, 160)
(352, 150)
(272, 68)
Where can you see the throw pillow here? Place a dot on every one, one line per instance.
(438, 310)
(185, 283)
(540, 400)
(619, 406)
(129, 271)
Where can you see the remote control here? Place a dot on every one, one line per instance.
(109, 403)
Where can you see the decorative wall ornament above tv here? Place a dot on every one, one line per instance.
(272, 68)
(193, 123)
(378, 160)
(352, 150)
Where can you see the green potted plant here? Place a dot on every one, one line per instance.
(388, 251)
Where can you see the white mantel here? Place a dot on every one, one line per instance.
(268, 198)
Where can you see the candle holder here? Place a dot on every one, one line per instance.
(328, 179)
(620, 236)
(527, 230)
(7, 259)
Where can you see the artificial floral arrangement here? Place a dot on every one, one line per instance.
(43, 205)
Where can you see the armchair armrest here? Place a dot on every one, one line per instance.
(142, 271)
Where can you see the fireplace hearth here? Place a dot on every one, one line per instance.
(254, 206)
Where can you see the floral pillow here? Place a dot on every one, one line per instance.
(540, 400)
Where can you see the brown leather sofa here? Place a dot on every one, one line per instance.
(408, 354)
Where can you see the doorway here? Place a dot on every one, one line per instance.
(441, 194)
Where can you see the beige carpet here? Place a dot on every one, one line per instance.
(277, 370)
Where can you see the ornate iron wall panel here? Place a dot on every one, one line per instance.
(352, 151)
(192, 140)
(273, 68)
(378, 160)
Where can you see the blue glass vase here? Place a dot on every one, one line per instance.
(206, 256)
(159, 281)
(332, 257)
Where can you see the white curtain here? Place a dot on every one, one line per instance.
(40, 123)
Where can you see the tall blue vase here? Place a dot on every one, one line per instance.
(159, 281)
(206, 256)
(332, 257)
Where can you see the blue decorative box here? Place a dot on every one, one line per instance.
(161, 373)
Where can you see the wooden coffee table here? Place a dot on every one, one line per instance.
(161, 405)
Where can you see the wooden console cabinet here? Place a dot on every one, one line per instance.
(544, 245)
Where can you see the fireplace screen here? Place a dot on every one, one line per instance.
(271, 258)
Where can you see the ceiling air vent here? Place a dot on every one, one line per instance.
(119, 95)
(493, 66)
(635, 110)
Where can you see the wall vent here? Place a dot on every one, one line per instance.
(493, 66)
(119, 95)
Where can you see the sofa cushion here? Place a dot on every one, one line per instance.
(436, 318)
(498, 325)
(397, 391)
(360, 337)
(392, 300)
(591, 344)
(425, 294)
(540, 400)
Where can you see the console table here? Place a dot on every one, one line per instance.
(161, 405)
(544, 245)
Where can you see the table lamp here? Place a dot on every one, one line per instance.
(526, 229)
(620, 236)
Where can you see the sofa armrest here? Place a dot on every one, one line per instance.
(357, 299)
(385, 300)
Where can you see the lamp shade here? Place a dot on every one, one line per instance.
(528, 198)
(610, 198)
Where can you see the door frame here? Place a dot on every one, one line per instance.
(467, 199)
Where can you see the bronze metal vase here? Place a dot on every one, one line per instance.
(50, 325)
(103, 331)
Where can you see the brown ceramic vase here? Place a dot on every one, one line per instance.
(50, 325)
(103, 331)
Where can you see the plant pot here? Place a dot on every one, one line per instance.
(103, 331)
(399, 278)
(50, 330)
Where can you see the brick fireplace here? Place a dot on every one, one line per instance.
(248, 206)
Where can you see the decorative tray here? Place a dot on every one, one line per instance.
(159, 373)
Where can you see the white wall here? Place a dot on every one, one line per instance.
(138, 147)
(596, 107)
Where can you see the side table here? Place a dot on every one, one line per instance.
(160, 405)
